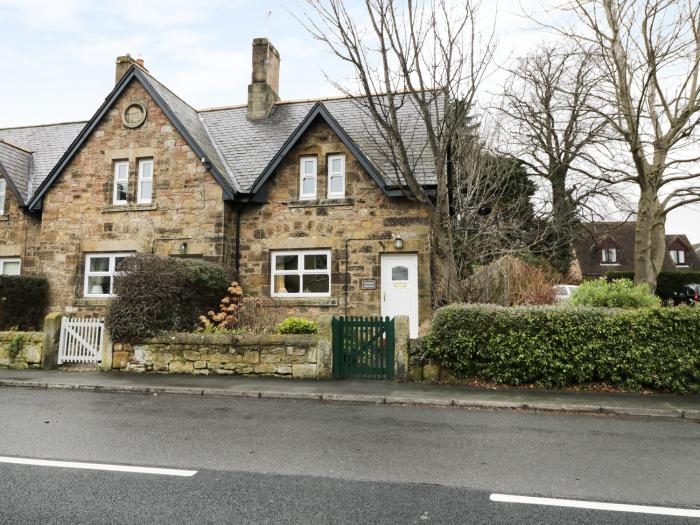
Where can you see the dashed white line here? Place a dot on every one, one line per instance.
(595, 505)
(98, 466)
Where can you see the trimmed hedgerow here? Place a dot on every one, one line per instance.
(620, 293)
(23, 301)
(156, 294)
(554, 347)
(668, 281)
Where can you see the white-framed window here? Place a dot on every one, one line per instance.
(336, 176)
(144, 193)
(305, 273)
(10, 266)
(308, 177)
(121, 182)
(3, 187)
(609, 256)
(100, 269)
(678, 257)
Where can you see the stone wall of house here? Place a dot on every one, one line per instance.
(21, 349)
(286, 223)
(295, 356)
(79, 218)
(19, 234)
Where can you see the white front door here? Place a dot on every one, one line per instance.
(400, 287)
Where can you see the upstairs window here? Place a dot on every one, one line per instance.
(121, 182)
(10, 266)
(144, 193)
(301, 274)
(308, 179)
(336, 176)
(609, 255)
(3, 187)
(678, 257)
(100, 269)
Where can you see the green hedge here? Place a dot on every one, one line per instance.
(667, 282)
(297, 325)
(552, 347)
(156, 294)
(23, 302)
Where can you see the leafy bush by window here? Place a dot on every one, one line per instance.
(555, 347)
(297, 325)
(23, 302)
(158, 294)
(621, 293)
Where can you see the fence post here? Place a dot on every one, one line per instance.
(324, 354)
(52, 334)
(401, 331)
(106, 349)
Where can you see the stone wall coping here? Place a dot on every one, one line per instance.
(27, 336)
(230, 339)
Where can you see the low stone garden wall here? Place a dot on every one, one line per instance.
(21, 349)
(295, 356)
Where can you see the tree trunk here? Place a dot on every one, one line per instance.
(447, 287)
(649, 240)
(562, 218)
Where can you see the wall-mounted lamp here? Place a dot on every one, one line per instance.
(183, 248)
(398, 243)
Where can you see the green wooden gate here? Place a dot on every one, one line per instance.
(363, 347)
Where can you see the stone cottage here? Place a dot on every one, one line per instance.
(296, 199)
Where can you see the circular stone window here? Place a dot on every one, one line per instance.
(134, 115)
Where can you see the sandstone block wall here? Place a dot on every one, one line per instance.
(21, 349)
(19, 234)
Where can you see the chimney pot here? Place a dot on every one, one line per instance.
(124, 62)
(263, 91)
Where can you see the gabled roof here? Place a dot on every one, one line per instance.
(183, 117)
(15, 167)
(47, 144)
(596, 234)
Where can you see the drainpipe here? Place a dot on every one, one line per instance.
(347, 263)
(238, 244)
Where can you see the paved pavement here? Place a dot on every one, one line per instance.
(301, 461)
(369, 391)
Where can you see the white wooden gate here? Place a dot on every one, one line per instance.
(81, 340)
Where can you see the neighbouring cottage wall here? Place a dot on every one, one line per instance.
(21, 349)
(285, 223)
(298, 356)
(79, 218)
(19, 234)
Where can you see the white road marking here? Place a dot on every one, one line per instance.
(98, 466)
(595, 505)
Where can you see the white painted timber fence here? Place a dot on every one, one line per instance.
(81, 340)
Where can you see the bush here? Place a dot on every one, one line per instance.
(621, 293)
(23, 302)
(667, 282)
(297, 325)
(554, 347)
(158, 294)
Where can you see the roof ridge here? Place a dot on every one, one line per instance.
(46, 125)
(283, 102)
(16, 146)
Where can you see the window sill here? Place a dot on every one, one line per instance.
(315, 203)
(92, 301)
(610, 264)
(306, 301)
(115, 208)
(4, 217)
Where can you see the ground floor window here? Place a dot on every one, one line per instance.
(100, 269)
(10, 266)
(304, 273)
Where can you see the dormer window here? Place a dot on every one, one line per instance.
(336, 176)
(309, 178)
(678, 257)
(3, 187)
(609, 255)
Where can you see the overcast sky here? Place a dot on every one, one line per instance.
(58, 55)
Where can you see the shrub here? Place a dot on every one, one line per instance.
(157, 294)
(667, 282)
(228, 316)
(23, 302)
(297, 325)
(621, 293)
(555, 347)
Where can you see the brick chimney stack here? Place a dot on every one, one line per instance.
(123, 65)
(264, 89)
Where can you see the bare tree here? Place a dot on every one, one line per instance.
(427, 53)
(550, 126)
(649, 94)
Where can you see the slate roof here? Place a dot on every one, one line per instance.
(621, 235)
(238, 150)
(47, 144)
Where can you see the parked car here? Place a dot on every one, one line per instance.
(563, 292)
(689, 294)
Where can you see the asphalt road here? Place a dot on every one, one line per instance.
(268, 461)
